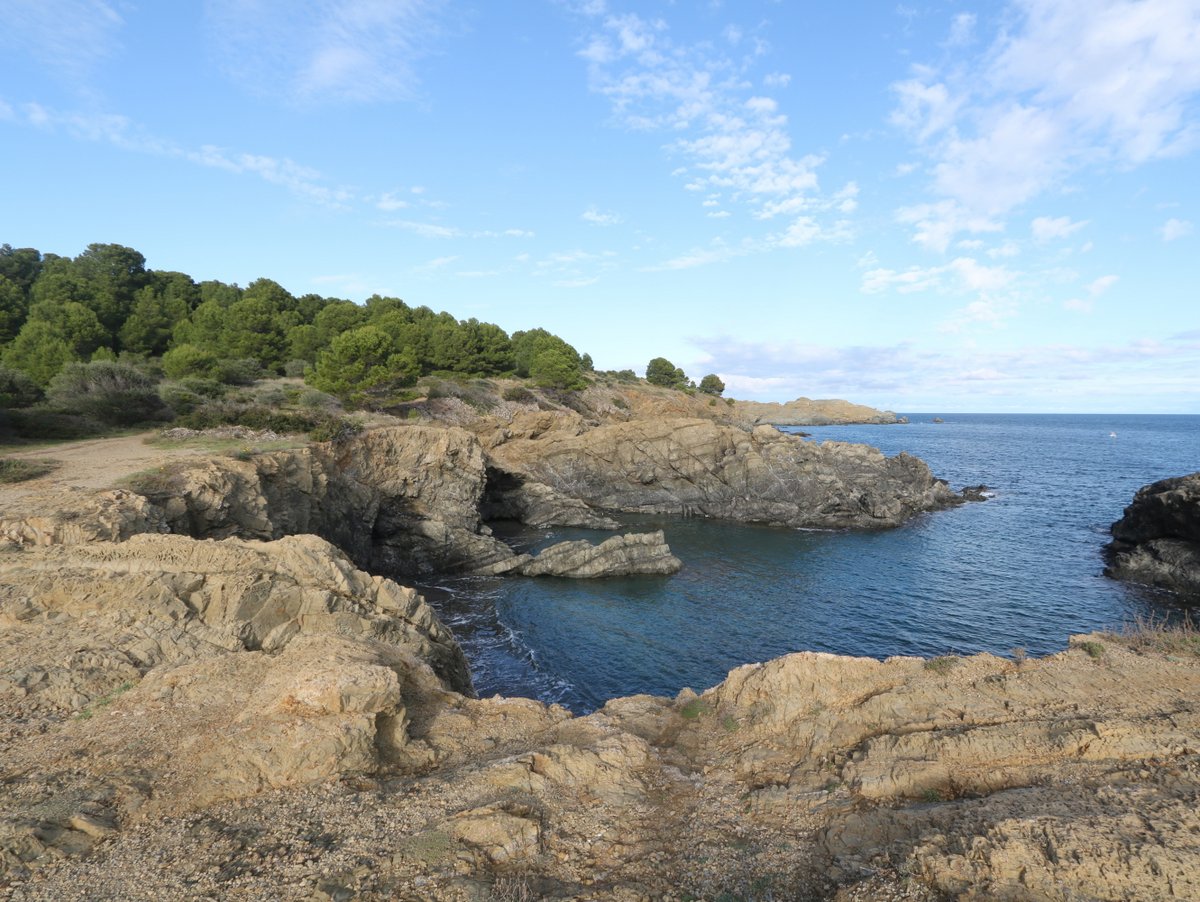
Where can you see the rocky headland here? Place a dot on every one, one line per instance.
(807, 412)
(1157, 540)
(208, 691)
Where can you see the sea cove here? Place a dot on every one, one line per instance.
(1022, 570)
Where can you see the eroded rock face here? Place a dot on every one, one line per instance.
(1157, 541)
(698, 467)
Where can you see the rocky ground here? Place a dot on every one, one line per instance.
(202, 699)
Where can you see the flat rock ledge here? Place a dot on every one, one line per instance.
(1157, 541)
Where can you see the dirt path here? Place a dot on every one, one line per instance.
(94, 464)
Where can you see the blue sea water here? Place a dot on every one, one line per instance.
(1021, 570)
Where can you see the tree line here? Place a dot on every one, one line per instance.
(105, 305)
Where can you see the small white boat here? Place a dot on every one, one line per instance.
(1112, 435)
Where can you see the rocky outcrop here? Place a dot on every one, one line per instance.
(698, 467)
(1157, 541)
(339, 765)
(806, 412)
(416, 499)
(161, 600)
(626, 555)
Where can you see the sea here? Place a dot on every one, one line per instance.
(1016, 574)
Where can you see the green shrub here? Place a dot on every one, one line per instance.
(206, 388)
(43, 424)
(179, 399)
(17, 389)
(314, 399)
(112, 393)
(188, 360)
(296, 369)
(519, 394)
(244, 371)
(942, 664)
(336, 430)
(253, 416)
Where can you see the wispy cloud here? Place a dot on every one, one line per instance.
(436, 230)
(122, 132)
(907, 376)
(1045, 228)
(346, 50)
(1066, 86)
(595, 217)
(1174, 229)
(728, 137)
(71, 38)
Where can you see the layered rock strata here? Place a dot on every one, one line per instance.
(1157, 541)
(701, 468)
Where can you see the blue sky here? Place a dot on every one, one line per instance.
(920, 206)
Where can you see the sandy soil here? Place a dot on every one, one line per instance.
(93, 464)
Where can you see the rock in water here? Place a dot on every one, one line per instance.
(1157, 541)
(627, 555)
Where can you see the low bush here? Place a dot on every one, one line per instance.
(519, 394)
(253, 416)
(238, 372)
(314, 399)
(43, 424)
(17, 389)
(112, 393)
(336, 430)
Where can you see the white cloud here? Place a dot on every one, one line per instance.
(341, 50)
(937, 223)
(719, 214)
(962, 30)
(389, 203)
(424, 229)
(594, 216)
(1007, 249)
(732, 139)
(1101, 285)
(1079, 305)
(1067, 85)
(1174, 229)
(1045, 228)
(959, 275)
(777, 80)
(903, 376)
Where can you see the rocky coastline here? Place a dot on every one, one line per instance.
(1157, 540)
(207, 691)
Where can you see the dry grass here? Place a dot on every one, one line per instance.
(16, 469)
(1151, 635)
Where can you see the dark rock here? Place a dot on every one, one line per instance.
(1157, 541)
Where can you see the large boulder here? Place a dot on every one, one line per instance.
(1157, 541)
